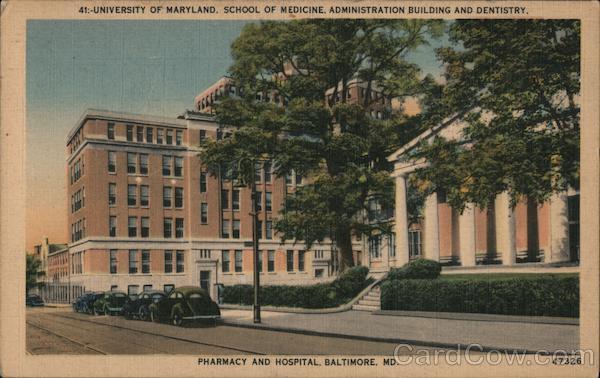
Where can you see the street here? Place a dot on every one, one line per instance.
(61, 331)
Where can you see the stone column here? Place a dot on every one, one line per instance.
(401, 221)
(559, 229)
(505, 229)
(431, 237)
(466, 225)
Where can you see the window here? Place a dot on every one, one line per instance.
(139, 134)
(225, 229)
(131, 195)
(112, 226)
(202, 136)
(179, 197)
(111, 130)
(131, 162)
(235, 232)
(289, 261)
(268, 201)
(178, 227)
(112, 162)
(205, 253)
(288, 179)
(238, 260)
(166, 165)
(301, 261)
(143, 164)
(257, 169)
(269, 229)
(169, 136)
(392, 245)
(259, 229)
(168, 262)
(112, 194)
(224, 199)
(159, 136)
(180, 262)
(168, 228)
(133, 262)
(225, 262)
(298, 179)
(318, 273)
(178, 166)
(145, 227)
(178, 137)
(204, 213)
(130, 133)
(258, 201)
(414, 243)
(318, 254)
(202, 182)
(235, 200)
(132, 289)
(167, 196)
(149, 136)
(268, 169)
(113, 261)
(271, 261)
(168, 288)
(144, 195)
(132, 226)
(147, 287)
(145, 261)
(375, 247)
(260, 261)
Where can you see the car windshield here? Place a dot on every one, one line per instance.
(195, 296)
(119, 295)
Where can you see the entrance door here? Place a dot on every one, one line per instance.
(205, 280)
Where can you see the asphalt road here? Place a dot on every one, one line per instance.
(61, 331)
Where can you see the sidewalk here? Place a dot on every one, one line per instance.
(437, 332)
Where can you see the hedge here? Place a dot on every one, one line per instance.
(540, 296)
(324, 295)
(416, 269)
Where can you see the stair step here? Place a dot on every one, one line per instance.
(369, 302)
(365, 308)
(371, 295)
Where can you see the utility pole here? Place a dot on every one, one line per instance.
(254, 213)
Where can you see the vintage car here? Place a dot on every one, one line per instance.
(111, 303)
(186, 303)
(33, 300)
(85, 302)
(138, 306)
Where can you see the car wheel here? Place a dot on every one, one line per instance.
(177, 319)
(143, 314)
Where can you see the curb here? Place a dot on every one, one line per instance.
(434, 344)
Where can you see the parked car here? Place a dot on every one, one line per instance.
(184, 304)
(85, 302)
(139, 306)
(34, 300)
(111, 303)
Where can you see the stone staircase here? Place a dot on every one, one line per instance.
(370, 301)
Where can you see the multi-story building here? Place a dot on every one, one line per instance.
(145, 213)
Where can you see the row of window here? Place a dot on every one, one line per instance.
(239, 263)
(144, 196)
(77, 170)
(77, 263)
(78, 200)
(78, 230)
(235, 200)
(134, 261)
(143, 134)
(143, 227)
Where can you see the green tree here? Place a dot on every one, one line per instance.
(32, 272)
(515, 85)
(335, 143)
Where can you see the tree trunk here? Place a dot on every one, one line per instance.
(343, 241)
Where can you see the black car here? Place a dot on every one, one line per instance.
(138, 306)
(34, 300)
(111, 303)
(184, 304)
(85, 302)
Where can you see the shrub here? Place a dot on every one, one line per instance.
(534, 296)
(321, 295)
(417, 269)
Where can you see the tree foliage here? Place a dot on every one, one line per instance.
(515, 84)
(335, 143)
(32, 270)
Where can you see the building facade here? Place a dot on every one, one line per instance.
(528, 235)
(144, 212)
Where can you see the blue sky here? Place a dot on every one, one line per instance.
(148, 67)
